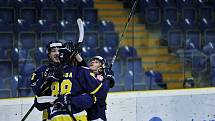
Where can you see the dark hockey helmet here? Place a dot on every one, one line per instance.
(99, 58)
(53, 44)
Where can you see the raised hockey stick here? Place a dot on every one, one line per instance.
(81, 30)
(123, 32)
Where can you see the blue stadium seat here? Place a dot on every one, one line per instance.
(200, 3)
(184, 3)
(5, 27)
(209, 36)
(67, 3)
(6, 38)
(49, 14)
(105, 25)
(212, 61)
(153, 15)
(117, 68)
(111, 39)
(70, 15)
(19, 54)
(107, 52)
(193, 39)
(24, 26)
(88, 52)
(46, 3)
(25, 92)
(46, 37)
(24, 3)
(154, 80)
(4, 55)
(170, 20)
(5, 93)
(147, 3)
(39, 55)
(175, 39)
(44, 26)
(26, 68)
(71, 36)
(86, 4)
(64, 26)
(7, 70)
(91, 40)
(134, 63)
(29, 14)
(206, 19)
(90, 14)
(14, 85)
(189, 18)
(88, 26)
(6, 3)
(127, 51)
(28, 40)
(209, 48)
(134, 81)
(167, 3)
(199, 63)
(7, 14)
(212, 76)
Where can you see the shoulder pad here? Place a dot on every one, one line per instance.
(85, 67)
(41, 68)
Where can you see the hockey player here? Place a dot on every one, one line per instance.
(63, 85)
(104, 75)
(43, 78)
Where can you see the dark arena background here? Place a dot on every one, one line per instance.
(165, 49)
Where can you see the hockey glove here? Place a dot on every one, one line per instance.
(109, 74)
(74, 49)
(41, 106)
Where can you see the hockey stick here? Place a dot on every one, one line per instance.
(123, 32)
(29, 111)
(81, 30)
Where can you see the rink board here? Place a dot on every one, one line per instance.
(167, 105)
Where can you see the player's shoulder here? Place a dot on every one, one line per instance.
(41, 68)
(83, 68)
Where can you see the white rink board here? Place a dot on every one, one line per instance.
(168, 105)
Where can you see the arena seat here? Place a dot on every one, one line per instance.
(49, 14)
(91, 39)
(7, 69)
(111, 39)
(90, 14)
(88, 26)
(209, 48)
(193, 39)
(7, 14)
(71, 36)
(188, 18)
(127, 51)
(88, 52)
(105, 25)
(28, 40)
(154, 80)
(39, 55)
(107, 52)
(153, 15)
(175, 39)
(71, 15)
(6, 38)
(167, 3)
(209, 36)
(46, 37)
